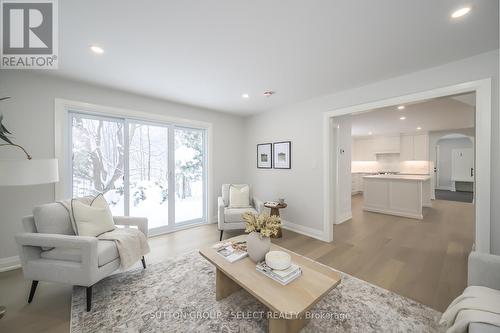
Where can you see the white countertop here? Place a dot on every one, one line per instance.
(400, 177)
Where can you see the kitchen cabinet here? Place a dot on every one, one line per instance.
(414, 147)
(357, 182)
(421, 147)
(400, 195)
(409, 147)
(363, 150)
(387, 144)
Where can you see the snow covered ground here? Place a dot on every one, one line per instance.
(151, 204)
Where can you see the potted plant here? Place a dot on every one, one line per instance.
(260, 228)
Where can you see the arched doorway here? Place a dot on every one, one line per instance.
(454, 175)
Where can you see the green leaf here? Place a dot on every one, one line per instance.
(4, 138)
(2, 127)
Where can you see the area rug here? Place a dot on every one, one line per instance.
(179, 296)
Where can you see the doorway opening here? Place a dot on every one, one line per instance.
(391, 187)
(454, 167)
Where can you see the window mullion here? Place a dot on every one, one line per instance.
(126, 167)
(171, 176)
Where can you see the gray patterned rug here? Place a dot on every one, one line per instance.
(179, 296)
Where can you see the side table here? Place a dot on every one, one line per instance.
(275, 211)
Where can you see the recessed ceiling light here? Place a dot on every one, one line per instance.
(402, 118)
(419, 128)
(245, 95)
(401, 107)
(96, 49)
(370, 133)
(460, 12)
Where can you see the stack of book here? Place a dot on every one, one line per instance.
(231, 251)
(284, 276)
(272, 203)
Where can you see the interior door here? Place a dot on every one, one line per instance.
(463, 165)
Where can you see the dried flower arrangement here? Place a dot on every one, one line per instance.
(264, 224)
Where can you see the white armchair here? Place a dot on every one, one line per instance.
(52, 252)
(230, 218)
(483, 270)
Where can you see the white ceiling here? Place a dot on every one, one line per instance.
(207, 53)
(432, 115)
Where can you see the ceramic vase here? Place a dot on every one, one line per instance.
(257, 246)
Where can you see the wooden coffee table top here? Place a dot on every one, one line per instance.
(295, 298)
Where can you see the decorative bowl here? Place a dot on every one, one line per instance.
(278, 260)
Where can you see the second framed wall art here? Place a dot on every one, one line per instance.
(282, 155)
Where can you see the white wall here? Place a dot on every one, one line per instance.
(445, 160)
(302, 124)
(30, 116)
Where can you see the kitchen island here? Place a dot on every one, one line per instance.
(401, 195)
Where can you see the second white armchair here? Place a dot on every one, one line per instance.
(230, 218)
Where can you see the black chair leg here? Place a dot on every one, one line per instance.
(89, 298)
(34, 284)
(221, 232)
(143, 262)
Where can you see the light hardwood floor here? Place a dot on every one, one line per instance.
(423, 260)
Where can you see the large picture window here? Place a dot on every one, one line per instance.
(154, 170)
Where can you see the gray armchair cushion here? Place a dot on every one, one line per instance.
(106, 253)
(483, 328)
(53, 218)
(232, 215)
(484, 270)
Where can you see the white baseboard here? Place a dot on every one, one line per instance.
(344, 218)
(306, 231)
(9, 263)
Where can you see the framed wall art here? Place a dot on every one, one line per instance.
(282, 155)
(265, 156)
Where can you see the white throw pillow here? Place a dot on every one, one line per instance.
(94, 219)
(239, 196)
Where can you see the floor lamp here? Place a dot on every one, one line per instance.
(27, 171)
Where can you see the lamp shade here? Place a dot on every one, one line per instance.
(28, 172)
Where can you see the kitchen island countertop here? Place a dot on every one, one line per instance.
(400, 177)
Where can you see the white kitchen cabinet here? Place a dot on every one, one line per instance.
(414, 147)
(356, 150)
(363, 150)
(386, 144)
(421, 147)
(406, 153)
(358, 182)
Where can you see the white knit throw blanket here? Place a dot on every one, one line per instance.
(132, 244)
(476, 305)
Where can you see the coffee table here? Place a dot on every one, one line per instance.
(289, 304)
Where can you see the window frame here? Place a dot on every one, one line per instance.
(63, 147)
